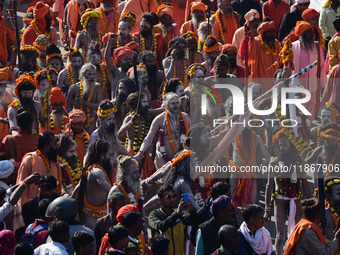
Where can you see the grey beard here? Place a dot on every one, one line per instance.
(202, 36)
(88, 86)
(135, 186)
(307, 43)
(92, 34)
(165, 29)
(57, 118)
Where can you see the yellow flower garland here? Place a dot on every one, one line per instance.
(154, 44)
(88, 115)
(27, 47)
(106, 113)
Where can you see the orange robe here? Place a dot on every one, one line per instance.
(33, 163)
(188, 26)
(106, 25)
(29, 36)
(5, 100)
(81, 149)
(179, 13)
(138, 7)
(261, 64)
(6, 34)
(229, 23)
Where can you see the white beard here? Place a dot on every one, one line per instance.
(88, 86)
(58, 118)
(105, 8)
(135, 186)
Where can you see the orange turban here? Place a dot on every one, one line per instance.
(302, 26)
(165, 9)
(120, 52)
(6, 74)
(265, 26)
(40, 10)
(228, 47)
(309, 13)
(125, 209)
(56, 96)
(77, 116)
(251, 14)
(198, 6)
(134, 46)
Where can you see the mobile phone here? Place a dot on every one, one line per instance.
(185, 197)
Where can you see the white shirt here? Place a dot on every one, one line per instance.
(53, 248)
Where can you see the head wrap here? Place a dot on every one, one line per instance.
(28, 47)
(6, 74)
(40, 10)
(77, 116)
(165, 9)
(6, 168)
(56, 96)
(265, 26)
(198, 6)
(7, 242)
(301, 27)
(249, 16)
(22, 79)
(120, 52)
(87, 15)
(219, 204)
(125, 209)
(215, 46)
(101, 113)
(293, 7)
(228, 47)
(189, 35)
(309, 13)
(134, 46)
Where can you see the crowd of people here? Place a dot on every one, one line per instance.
(99, 145)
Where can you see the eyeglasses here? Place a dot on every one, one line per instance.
(174, 196)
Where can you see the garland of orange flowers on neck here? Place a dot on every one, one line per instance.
(48, 168)
(167, 123)
(246, 159)
(318, 132)
(267, 49)
(334, 214)
(153, 46)
(37, 30)
(88, 115)
(102, 80)
(70, 77)
(73, 174)
(125, 193)
(220, 25)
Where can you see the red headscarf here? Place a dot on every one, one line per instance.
(120, 52)
(228, 47)
(265, 26)
(125, 209)
(56, 96)
(309, 13)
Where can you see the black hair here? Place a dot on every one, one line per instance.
(159, 244)
(114, 197)
(44, 139)
(25, 120)
(58, 229)
(117, 233)
(336, 24)
(151, 18)
(143, 55)
(3, 156)
(173, 44)
(163, 188)
(132, 100)
(80, 239)
(2, 194)
(25, 85)
(171, 85)
(48, 180)
(226, 231)
(24, 248)
(64, 143)
(218, 189)
(131, 218)
(42, 207)
(251, 210)
(311, 208)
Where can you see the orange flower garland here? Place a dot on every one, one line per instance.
(325, 134)
(334, 111)
(27, 47)
(37, 30)
(15, 104)
(154, 44)
(318, 131)
(192, 70)
(267, 49)
(88, 116)
(73, 174)
(106, 113)
(48, 57)
(246, 159)
(166, 116)
(219, 21)
(276, 137)
(126, 194)
(334, 214)
(70, 77)
(102, 80)
(48, 168)
(179, 158)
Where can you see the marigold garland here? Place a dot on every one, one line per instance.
(267, 49)
(276, 137)
(48, 168)
(15, 104)
(71, 52)
(153, 46)
(190, 35)
(37, 30)
(102, 80)
(141, 66)
(70, 77)
(27, 47)
(325, 134)
(73, 174)
(126, 194)
(138, 140)
(24, 78)
(334, 111)
(88, 115)
(286, 54)
(62, 125)
(87, 15)
(166, 117)
(39, 47)
(192, 70)
(184, 63)
(48, 57)
(219, 21)
(334, 214)
(330, 183)
(106, 113)
(180, 157)
(246, 159)
(318, 131)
